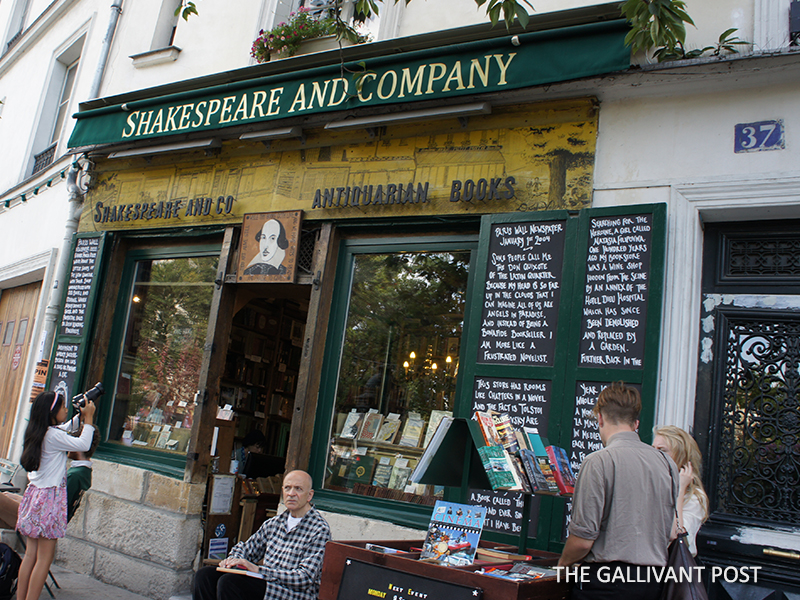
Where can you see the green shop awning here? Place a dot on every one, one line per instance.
(471, 68)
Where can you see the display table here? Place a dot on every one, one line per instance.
(338, 553)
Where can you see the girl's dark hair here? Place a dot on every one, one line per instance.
(41, 418)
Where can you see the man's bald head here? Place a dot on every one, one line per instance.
(297, 492)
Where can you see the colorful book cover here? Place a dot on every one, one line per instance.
(382, 474)
(361, 469)
(412, 431)
(505, 431)
(539, 482)
(371, 426)
(453, 533)
(352, 424)
(487, 428)
(498, 467)
(399, 477)
(561, 470)
(388, 431)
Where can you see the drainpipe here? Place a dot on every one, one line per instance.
(76, 188)
(105, 49)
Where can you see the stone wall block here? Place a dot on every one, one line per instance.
(175, 495)
(75, 555)
(144, 578)
(121, 481)
(168, 539)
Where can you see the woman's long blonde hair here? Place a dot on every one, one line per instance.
(683, 449)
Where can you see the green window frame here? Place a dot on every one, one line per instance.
(378, 508)
(172, 465)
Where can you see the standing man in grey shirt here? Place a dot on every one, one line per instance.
(623, 510)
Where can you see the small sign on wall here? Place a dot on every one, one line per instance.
(756, 137)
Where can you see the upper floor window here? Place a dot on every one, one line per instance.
(63, 101)
(56, 106)
(19, 14)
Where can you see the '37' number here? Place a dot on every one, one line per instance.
(764, 135)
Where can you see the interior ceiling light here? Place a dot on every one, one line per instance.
(461, 112)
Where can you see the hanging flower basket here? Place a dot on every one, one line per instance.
(302, 34)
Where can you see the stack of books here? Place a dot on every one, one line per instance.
(522, 460)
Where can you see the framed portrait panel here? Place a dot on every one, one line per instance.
(270, 244)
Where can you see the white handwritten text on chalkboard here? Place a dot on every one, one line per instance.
(522, 292)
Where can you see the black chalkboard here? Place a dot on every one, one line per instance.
(504, 510)
(84, 263)
(365, 581)
(65, 365)
(526, 401)
(522, 292)
(615, 292)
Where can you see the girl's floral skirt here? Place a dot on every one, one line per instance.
(43, 512)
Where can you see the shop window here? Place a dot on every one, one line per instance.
(397, 371)
(164, 332)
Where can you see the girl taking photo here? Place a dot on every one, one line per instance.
(42, 516)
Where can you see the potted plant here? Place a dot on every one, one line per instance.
(286, 39)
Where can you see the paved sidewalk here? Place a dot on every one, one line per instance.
(75, 586)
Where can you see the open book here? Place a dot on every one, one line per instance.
(257, 575)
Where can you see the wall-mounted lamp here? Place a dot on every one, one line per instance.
(413, 355)
(460, 112)
(275, 134)
(207, 145)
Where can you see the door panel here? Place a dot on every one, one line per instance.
(18, 307)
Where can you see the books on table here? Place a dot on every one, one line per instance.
(453, 533)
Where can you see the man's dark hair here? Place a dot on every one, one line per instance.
(619, 403)
(253, 438)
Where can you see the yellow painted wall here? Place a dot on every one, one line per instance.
(548, 150)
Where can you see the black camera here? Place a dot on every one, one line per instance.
(91, 395)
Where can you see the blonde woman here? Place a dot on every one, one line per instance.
(682, 448)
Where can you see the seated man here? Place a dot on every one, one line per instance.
(287, 551)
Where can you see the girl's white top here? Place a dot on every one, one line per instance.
(57, 442)
(692, 520)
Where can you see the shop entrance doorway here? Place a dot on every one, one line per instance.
(262, 364)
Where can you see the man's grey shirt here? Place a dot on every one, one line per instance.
(625, 501)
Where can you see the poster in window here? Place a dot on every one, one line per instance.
(269, 247)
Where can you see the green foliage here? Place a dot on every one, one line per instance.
(660, 26)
